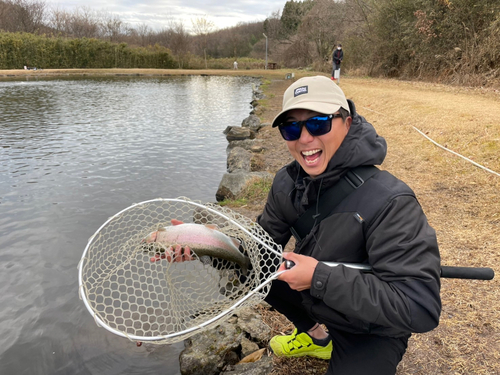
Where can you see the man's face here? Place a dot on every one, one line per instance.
(314, 152)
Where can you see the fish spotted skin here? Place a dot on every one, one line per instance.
(203, 240)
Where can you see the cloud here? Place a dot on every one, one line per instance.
(160, 13)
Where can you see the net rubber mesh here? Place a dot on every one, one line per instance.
(141, 290)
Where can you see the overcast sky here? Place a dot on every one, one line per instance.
(158, 13)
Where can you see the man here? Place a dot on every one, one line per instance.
(369, 316)
(337, 57)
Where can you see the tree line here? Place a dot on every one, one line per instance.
(448, 40)
(454, 41)
(32, 33)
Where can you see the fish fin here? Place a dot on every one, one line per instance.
(235, 242)
(176, 222)
(212, 226)
(245, 267)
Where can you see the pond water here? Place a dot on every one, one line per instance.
(74, 152)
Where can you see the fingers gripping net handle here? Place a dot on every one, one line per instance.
(134, 289)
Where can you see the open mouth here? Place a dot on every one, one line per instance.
(311, 156)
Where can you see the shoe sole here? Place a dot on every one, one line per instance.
(301, 355)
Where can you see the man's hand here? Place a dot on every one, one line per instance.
(175, 253)
(300, 276)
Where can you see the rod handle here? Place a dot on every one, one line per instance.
(475, 273)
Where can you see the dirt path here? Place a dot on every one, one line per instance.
(461, 201)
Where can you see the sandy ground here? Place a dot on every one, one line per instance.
(461, 200)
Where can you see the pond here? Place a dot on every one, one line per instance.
(74, 152)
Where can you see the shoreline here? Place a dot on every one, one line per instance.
(278, 73)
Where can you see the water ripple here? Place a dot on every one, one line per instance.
(73, 153)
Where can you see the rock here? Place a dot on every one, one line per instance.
(252, 122)
(256, 149)
(206, 352)
(204, 216)
(238, 133)
(214, 350)
(251, 322)
(262, 367)
(238, 158)
(233, 183)
(247, 144)
(258, 94)
(248, 347)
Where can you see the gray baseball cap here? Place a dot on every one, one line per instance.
(318, 94)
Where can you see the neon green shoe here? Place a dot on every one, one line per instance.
(298, 345)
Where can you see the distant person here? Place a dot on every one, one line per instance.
(235, 65)
(337, 57)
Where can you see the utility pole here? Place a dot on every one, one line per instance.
(266, 49)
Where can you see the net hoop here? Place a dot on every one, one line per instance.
(258, 290)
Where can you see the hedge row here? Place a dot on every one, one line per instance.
(22, 49)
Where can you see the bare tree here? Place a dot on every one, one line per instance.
(324, 26)
(83, 22)
(144, 34)
(272, 25)
(178, 40)
(22, 15)
(4, 16)
(202, 26)
(58, 21)
(112, 27)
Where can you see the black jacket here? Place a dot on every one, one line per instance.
(381, 224)
(338, 56)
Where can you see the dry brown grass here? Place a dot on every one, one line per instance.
(461, 201)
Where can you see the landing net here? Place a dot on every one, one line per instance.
(133, 289)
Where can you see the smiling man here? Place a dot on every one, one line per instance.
(353, 213)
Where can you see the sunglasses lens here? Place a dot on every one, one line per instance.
(319, 125)
(290, 131)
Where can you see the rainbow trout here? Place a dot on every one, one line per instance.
(203, 240)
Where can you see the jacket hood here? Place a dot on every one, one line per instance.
(361, 146)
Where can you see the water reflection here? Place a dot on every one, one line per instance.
(73, 153)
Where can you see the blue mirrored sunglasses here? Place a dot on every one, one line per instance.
(317, 125)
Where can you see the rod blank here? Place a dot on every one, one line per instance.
(449, 272)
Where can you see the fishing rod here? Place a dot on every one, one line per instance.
(165, 302)
(449, 272)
